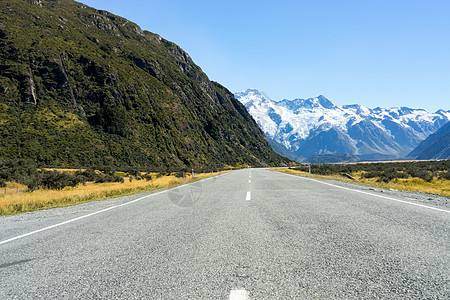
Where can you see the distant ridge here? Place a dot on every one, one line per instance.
(436, 146)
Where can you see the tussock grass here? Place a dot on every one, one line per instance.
(413, 184)
(18, 200)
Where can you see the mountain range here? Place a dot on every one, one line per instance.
(316, 129)
(83, 87)
(436, 146)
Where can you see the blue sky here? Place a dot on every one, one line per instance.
(372, 52)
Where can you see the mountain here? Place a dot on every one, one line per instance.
(315, 128)
(84, 87)
(436, 146)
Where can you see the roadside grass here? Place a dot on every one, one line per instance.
(64, 170)
(15, 198)
(436, 186)
(12, 188)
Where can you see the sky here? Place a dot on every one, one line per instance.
(372, 52)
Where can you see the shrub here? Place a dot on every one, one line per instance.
(372, 174)
(19, 170)
(147, 177)
(52, 180)
(402, 175)
(108, 170)
(59, 180)
(134, 173)
(423, 174)
(33, 183)
(445, 175)
(303, 168)
(386, 171)
(427, 177)
(387, 176)
(2, 183)
(56, 180)
(179, 174)
(26, 172)
(109, 178)
(87, 175)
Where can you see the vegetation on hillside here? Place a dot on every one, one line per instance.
(81, 87)
(417, 176)
(385, 171)
(25, 172)
(24, 188)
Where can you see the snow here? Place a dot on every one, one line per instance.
(319, 113)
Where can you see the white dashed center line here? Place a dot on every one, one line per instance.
(239, 295)
(249, 196)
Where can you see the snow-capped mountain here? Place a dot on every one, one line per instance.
(315, 128)
(436, 146)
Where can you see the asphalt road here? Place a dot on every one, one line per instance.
(248, 234)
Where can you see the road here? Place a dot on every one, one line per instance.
(248, 234)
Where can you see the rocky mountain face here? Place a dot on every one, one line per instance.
(436, 146)
(84, 87)
(316, 129)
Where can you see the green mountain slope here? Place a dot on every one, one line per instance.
(82, 87)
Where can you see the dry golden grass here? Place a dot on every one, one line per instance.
(306, 174)
(436, 186)
(12, 188)
(63, 170)
(22, 201)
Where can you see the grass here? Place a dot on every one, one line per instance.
(436, 186)
(15, 198)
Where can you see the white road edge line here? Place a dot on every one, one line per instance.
(240, 294)
(101, 211)
(370, 194)
(248, 197)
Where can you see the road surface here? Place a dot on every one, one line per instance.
(248, 234)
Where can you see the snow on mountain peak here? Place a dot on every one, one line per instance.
(389, 132)
(251, 95)
(325, 102)
(444, 113)
(358, 109)
(310, 103)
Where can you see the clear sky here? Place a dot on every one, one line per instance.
(372, 52)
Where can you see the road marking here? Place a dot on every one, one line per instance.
(248, 197)
(370, 194)
(240, 294)
(101, 211)
(249, 181)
